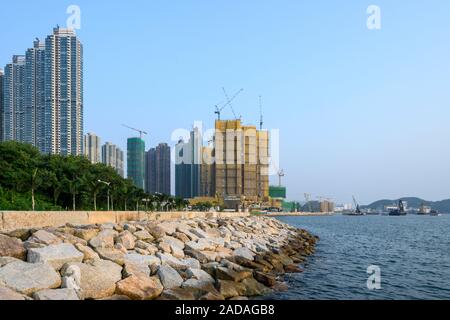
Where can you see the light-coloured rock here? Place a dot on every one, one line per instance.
(140, 259)
(143, 235)
(85, 234)
(28, 278)
(7, 294)
(104, 239)
(156, 232)
(150, 248)
(167, 259)
(56, 294)
(55, 255)
(169, 277)
(12, 247)
(140, 288)
(244, 252)
(168, 227)
(165, 247)
(177, 252)
(98, 278)
(199, 274)
(130, 269)
(191, 263)
(173, 242)
(199, 233)
(44, 237)
(5, 260)
(113, 255)
(127, 239)
(88, 253)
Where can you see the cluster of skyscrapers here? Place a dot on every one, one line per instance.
(149, 170)
(41, 103)
(109, 154)
(42, 95)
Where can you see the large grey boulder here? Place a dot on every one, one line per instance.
(55, 255)
(5, 260)
(245, 253)
(42, 238)
(98, 278)
(140, 259)
(6, 294)
(167, 259)
(12, 247)
(28, 278)
(126, 239)
(199, 274)
(169, 277)
(104, 239)
(56, 294)
(173, 242)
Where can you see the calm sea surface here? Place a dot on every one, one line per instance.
(413, 253)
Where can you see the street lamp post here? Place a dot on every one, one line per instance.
(109, 185)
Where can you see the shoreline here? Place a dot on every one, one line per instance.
(184, 259)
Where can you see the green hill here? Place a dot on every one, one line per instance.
(413, 202)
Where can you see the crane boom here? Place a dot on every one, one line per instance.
(228, 103)
(141, 132)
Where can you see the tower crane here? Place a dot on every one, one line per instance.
(228, 103)
(141, 132)
(219, 110)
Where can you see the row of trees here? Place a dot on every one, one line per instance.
(30, 180)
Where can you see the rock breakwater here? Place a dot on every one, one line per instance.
(198, 259)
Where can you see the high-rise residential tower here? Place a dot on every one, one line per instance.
(63, 120)
(136, 161)
(241, 161)
(91, 147)
(14, 100)
(35, 95)
(1, 104)
(43, 95)
(112, 156)
(188, 160)
(157, 170)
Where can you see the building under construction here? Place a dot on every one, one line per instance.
(241, 170)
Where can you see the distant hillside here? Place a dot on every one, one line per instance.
(441, 206)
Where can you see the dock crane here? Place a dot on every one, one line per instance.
(357, 207)
(141, 132)
(228, 103)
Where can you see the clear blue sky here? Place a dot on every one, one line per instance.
(360, 112)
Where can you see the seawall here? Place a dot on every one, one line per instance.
(13, 220)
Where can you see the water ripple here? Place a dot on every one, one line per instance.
(412, 252)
